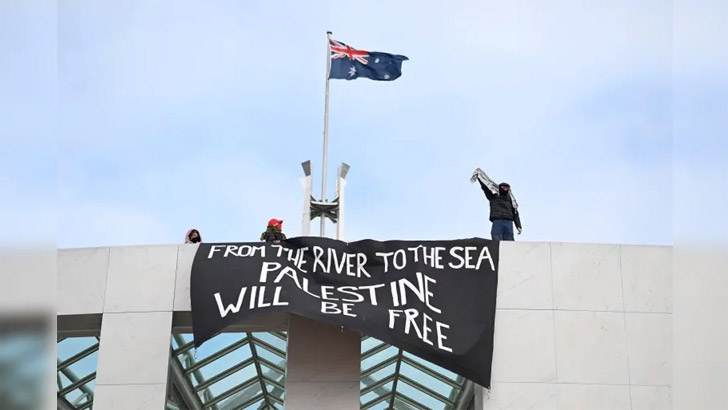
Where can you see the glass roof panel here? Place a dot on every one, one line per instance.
(369, 343)
(83, 366)
(272, 374)
(223, 363)
(232, 380)
(400, 404)
(378, 358)
(384, 390)
(382, 405)
(260, 404)
(72, 345)
(230, 370)
(271, 339)
(419, 396)
(215, 345)
(244, 394)
(77, 359)
(274, 390)
(271, 357)
(423, 378)
(439, 370)
(378, 376)
(418, 384)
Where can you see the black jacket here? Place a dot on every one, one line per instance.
(272, 235)
(501, 206)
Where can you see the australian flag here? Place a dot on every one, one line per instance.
(349, 63)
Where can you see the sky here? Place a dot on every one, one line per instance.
(171, 115)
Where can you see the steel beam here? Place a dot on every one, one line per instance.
(177, 376)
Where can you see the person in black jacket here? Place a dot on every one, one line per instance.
(274, 232)
(503, 207)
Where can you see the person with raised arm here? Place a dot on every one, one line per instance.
(503, 206)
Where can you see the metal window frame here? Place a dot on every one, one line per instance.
(81, 383)
(459, 388)
(220, 353)
(270, 400)
(259, 372)
(231, 391)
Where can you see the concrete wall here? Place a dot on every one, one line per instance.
(323, 366)
(578, 326)
(581, 326)
(124, 279)
(136, 292)
(141, 279)
(134, 289)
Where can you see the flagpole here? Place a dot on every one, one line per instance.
(326, 131)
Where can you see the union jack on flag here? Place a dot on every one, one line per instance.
(349, 63)
(341, 50)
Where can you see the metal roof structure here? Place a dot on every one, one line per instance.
(246, 371)
(76, 377)
(232, 371)
(394, 379)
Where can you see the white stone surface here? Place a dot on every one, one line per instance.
(521, 396)
(82, 280)
(134, 348)
(651, 398)
(130, 397)
(141, 279)
(586, 277)
(591, 348)
(524, 275)
(593, 397)
(647, 275)
(649, 343)
(185, 257)
(700, 328)
(322, 395)
(524, 346)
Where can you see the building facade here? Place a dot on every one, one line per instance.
(578, 326)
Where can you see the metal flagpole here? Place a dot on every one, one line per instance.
(326, 130)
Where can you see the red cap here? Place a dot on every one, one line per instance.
(275, 222)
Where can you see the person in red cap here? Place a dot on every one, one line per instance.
(274, 232)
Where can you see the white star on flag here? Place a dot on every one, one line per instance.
(376, 60)
(386, 76)
(352, 71)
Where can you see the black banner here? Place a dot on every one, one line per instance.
(434, 299)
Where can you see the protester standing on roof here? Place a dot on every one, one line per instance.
(503, 206)
(274, 232)
(193, 236)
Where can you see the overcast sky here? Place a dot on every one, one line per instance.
(180, 114)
